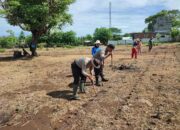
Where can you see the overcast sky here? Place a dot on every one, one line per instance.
(128, 15)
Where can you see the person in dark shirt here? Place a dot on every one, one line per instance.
(150, 44)
(101, 55)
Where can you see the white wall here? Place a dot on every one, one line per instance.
(145, 40)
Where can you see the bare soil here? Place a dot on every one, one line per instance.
(35, 93)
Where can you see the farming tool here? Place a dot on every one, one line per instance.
(111, 65)
(111, 60)
(69, 75)
(93, 87)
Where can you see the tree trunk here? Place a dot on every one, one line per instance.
(33, 44)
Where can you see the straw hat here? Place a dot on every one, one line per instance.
(98, 42)
(138, 40)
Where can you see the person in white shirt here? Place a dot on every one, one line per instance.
(79, 67)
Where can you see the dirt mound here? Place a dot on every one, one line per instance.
(124, 67)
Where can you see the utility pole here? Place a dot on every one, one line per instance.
(109, 14)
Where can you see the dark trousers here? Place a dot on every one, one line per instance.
(99, 72)
(77, 74)
(150, 47)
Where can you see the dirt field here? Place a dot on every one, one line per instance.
(35, 93)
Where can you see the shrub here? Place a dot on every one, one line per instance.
(41, 45)
(8, 42)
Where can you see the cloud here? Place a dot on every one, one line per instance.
(172, 4)
(83, 6)
(128, 15)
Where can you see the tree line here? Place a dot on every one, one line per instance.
(59, 38)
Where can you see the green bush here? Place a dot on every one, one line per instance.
(59, 39)
(41, 45)
(8, 42)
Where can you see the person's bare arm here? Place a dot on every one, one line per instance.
(109, 54)
(105, 54)
(90, 70)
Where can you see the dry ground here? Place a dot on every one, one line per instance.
(34, 93)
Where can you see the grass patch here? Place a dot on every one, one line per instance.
(2, 50)
(68, 46)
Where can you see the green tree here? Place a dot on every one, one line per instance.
(8, 41)
(145, 30)
(59, 39)
(102, 34)
(127, 35)
(175, 32)
(88, 37)
(172, 14)
(55, 39)
(116, 32)
(36, 16)
(45, 39)
(69, 38)
(21, 38)
(80, 41)
(158, 36)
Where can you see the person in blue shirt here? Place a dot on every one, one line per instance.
(96, 47)
(101, 54)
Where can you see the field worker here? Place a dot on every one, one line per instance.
(101, 55)
(134, 49)
(150, 44)
(79, 67)
(139, 45)
(96, 47)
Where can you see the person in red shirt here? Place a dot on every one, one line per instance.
(134, 50)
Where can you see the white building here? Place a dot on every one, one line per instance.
(163, 25)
